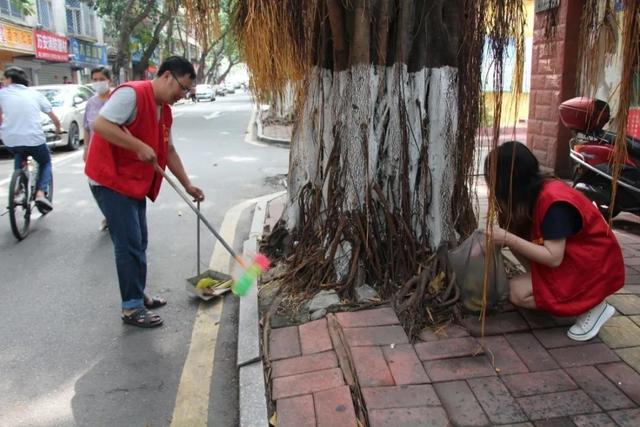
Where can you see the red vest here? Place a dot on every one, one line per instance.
(592, 268)
(120, 169)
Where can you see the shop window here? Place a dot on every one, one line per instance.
(45, 15)
(10, 8)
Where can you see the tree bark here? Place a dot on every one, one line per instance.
(129, 23)
(140, 69)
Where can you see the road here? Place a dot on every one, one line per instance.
(66, 358)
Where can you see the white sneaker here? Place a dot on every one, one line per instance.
(588, 324)
(103, 225)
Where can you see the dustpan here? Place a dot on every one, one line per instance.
(191, 283)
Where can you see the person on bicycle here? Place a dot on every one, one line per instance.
(21, 124)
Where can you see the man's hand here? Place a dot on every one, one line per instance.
(146, 153)
(195, 192)
(59, 129)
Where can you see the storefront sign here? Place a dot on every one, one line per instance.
(542, 5)
(85, 54)
(51, 47)
(15, 39)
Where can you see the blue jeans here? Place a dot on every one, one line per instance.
(40, 154)
(127, 219)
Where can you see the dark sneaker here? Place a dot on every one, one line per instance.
(43, 205)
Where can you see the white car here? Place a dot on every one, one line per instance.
(205, 92)
(69, 103)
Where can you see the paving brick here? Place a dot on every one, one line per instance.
(626, 417)
(302, 364)
(314, 337)
(557, 337)
(334, 407)
(537, 319)
(405, 365)
(531, 352)
(538, 383)
(504, 359)
(518, 425)
(375, 317)
(632, 289)
(460, 403)
(566, 403)
(599, 388)
(555, 422)
(444, 349)
(635, 319)
(593, 420)
(284, 342)
(444, 332)
(296, 412)
(626, 304)
(375, 335)
(619, 332)
(409, 417)
(499, 324)
(403, 396)
(589, 354)
(496, 401)
(311, 382)
(624, 377)
(371, 367)
(459, 368)
(631, 356)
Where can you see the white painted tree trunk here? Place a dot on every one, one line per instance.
(362, 109)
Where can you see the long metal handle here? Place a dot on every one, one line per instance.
(198, 238)
(202, 218)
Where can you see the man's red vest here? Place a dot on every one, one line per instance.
(120, 169)
(593, 266)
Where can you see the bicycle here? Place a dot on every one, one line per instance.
(22, 196)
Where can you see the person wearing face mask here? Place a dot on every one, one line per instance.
(131, 140)
(101, 83)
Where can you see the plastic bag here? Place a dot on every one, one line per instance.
(468, 263)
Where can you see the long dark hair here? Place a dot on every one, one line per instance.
(517, 185)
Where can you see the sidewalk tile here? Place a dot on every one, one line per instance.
(374, 317)
(518, 425)
(334, 407)
(504, 359)
(499, 324)
(557, 337)
(539, 383)
(444, 349)
(496, 401)
(284, 342)
(409, 417)
(623, 376)
(403, 396)
(588, 354)
(444, 332)
(371, 367)
(460, 403)
(629, 305)
(632, 289)
(599, 388)
(566, 403)
(375, 335)
(537, 319)
(311, 382)
(631, 356)
(302, 364)
(404, 365)
(636, 319)
(314, 337)
(296, 412)
(459, 368)
(555, 422)
(531, 352)
(619, 332)
(626, 417)
(593, 420)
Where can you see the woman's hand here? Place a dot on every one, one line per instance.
(498, 234)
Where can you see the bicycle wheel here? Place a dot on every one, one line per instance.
(19, 205)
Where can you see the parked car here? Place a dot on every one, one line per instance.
(48, 128)
(69, 103)
(220, 90)
(205, 92)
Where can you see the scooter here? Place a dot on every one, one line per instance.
(591, 148)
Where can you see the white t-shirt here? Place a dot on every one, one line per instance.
(21, 120)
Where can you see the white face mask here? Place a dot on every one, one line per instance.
(101, 87)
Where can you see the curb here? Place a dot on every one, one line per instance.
(253, 403)
(280, 142)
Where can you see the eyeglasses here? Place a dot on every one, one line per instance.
(184, 88)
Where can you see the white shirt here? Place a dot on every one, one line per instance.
(21, 120)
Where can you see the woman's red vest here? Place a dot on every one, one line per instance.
(593, 266)
(120, 169)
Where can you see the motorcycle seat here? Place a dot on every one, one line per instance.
(633, 144)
